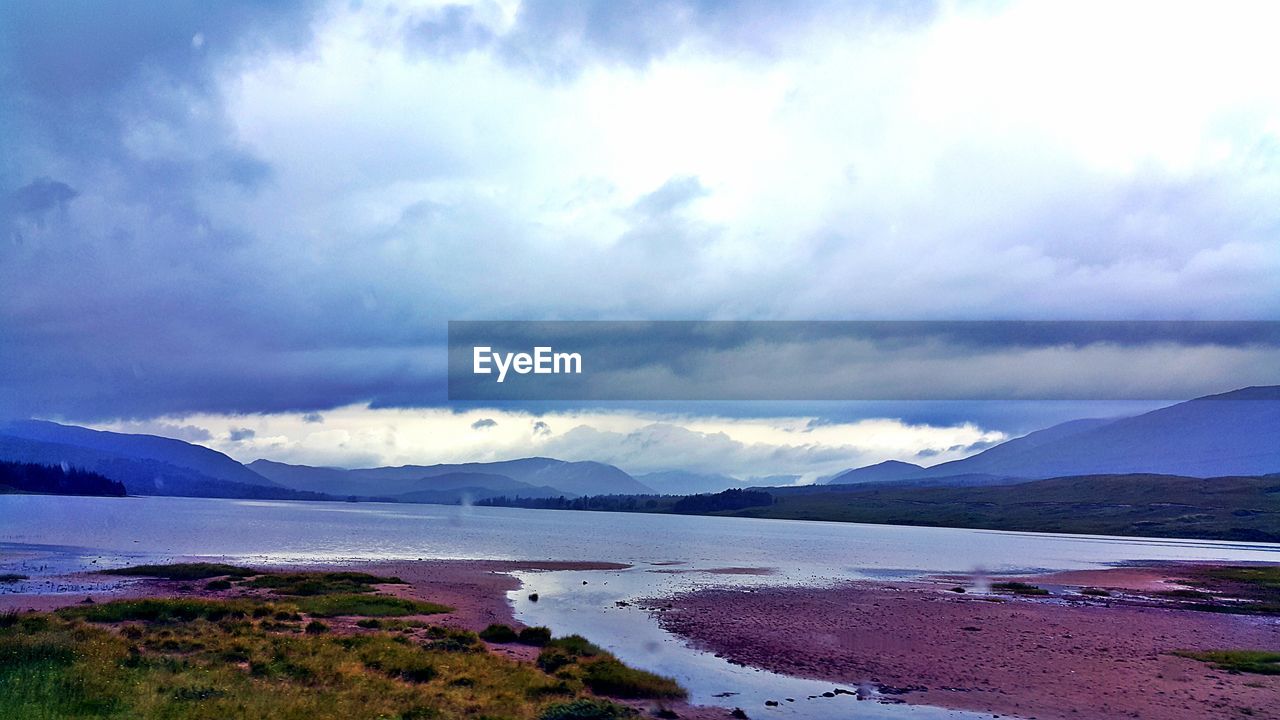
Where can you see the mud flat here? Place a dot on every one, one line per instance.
(1039, 648)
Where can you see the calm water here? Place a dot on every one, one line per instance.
(44, 536)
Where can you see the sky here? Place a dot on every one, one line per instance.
(221, 219)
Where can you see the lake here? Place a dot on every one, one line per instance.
(45, 535)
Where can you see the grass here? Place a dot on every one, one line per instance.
(165, 610)
(536, 636)
(246, 658)
(366, 606)
(607, 675)
(1238, 661)
(576, 657)
(1263, 577)
(498, 633)
(586, 709)
(11, 577)
(1019, 588)
(184, 571)
(321, 583)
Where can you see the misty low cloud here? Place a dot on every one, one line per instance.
(638, 442)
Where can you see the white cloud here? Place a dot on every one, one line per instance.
(638, 442)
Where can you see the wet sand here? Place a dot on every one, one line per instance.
(1065, 656)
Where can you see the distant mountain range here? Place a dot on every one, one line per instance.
(527, 477)
(681, 482)
(151, 465)
(1235, 433)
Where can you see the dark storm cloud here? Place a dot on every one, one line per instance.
(241, 434)
(41, 196)
(561, 38)
(175, 253)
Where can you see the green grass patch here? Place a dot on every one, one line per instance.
(366, 606)
(1264, 576)
(184, 571)
(608, 676)
(321, 583)
(536, 636)
(1095, 592)
(236, 660)
(1260, 662)
(497, 633)
(603, 673)
(165, 610)
(1019, 588)
(587, 709)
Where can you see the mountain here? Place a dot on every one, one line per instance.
(141, 476)
(680, 482)
(205, 461)
(573, 478)
(527, 477)
(1235, 433)
(888, 470)
(398, 484)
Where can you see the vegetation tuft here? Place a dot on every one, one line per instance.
(587, 709)
(1019, 588)
(321, 583)
(602, 672)
(184, 571)
(536, 636)
(1238, 661)
(498, 633)
(366, 606)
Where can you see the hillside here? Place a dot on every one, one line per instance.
(205, 461)
(681, 482)
(1225, 508)
(55, 480)
(1233, 433)
(1222, 508)
(526, 477)
(141, 476)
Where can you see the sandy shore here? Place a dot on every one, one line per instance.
(1066, 656)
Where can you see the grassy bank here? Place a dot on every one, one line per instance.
(275, 651)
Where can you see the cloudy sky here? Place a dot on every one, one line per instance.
(222, 219)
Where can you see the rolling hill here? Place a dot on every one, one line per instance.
(1231, 434)
(526, 477)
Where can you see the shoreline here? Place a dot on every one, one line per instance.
(1065, 654)
(1053, 657)
(475, 590)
